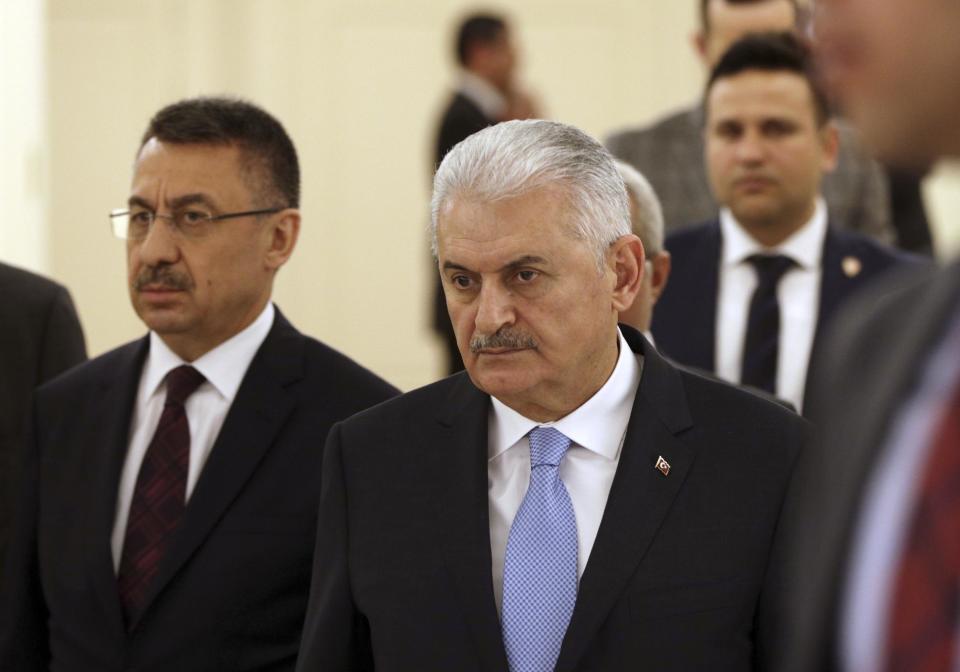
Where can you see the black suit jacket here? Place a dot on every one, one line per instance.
(872, 359)
(232, 589)
(39, 339)
(685, 319)
(678, 575)
(461, 119)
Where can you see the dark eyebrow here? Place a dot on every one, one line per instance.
(510, 265)
(177, 203)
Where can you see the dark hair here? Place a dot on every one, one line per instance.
(269, 157)
(705, 10)
(773, 52)
(478, 29)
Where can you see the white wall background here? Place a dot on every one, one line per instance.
(359, 85)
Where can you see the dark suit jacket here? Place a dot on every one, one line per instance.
(40, 338)
(873, 357)
(685, 319)
(677, 578)
(232, 589)
(461, 119)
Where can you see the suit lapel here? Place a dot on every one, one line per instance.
(109, 422)
(639, 500)
(260, 409)
(698, 340)
(835, 284)
(457, 473)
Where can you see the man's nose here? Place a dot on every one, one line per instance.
(495, 308)
(160, 245)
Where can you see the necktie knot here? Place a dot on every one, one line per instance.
(547, 447)
(770, 267)
(181, 383)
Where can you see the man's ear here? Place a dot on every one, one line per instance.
(626, 261)
(699, 42)
(830, 141)
(283, 233)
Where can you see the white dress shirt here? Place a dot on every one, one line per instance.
(798, 294)
(596, 431)
(887, 510)
(483, 94)
(224, 368)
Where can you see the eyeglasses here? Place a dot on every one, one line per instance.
(135, 224)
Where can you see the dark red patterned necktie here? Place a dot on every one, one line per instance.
(924, 621)
(159, 498)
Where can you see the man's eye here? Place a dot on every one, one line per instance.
(527, 275)
(141, 217)
(461, 281)
(192, 217)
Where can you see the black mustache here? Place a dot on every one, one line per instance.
(163, 276)
(503, 339)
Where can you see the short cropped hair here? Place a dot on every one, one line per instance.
(515, 158)
(478, 29)
(648, 222)
(705, 10)
(772, 52)
(269, 157)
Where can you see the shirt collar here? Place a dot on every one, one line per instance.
(597, 425)
(483, 94)
(804, 246)
(224, 367)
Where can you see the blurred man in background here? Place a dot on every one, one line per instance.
(646, 220)
(670, 152)
(40, 338)
(488, 93)
(752, 290)
(873, 521)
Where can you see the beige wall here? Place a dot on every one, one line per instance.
(359, 84)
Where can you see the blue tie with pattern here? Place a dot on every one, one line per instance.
(540, 566)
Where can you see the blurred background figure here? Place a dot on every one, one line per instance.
(873, 520)
(41, 337)
(646, 220)
(487, 93)
(752, 289)
(669, 153)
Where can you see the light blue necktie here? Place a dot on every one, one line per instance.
(540, 566)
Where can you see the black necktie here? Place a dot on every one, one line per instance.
(762, 344)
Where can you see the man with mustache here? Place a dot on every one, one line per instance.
(168, 514)
(751, 291)
(571, 501)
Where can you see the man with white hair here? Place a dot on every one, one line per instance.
(572, 501)
(646, 219)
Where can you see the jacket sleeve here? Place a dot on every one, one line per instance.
(24, 640)
(336, 637)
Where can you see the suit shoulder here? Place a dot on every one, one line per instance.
(79, 379)
(25, 286)
(627, 143)
(691, 236)
(333, 368)
(415, 405)
(739, 410)
(875, 254)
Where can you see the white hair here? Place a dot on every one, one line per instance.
(515, 158)
(648, 223)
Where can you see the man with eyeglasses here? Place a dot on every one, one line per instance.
(171, 487)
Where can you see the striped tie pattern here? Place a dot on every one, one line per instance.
(926, 603)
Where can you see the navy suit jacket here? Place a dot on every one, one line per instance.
(685, 318)
(232, 589)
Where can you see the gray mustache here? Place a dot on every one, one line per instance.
(505, 338)
(163, 276)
